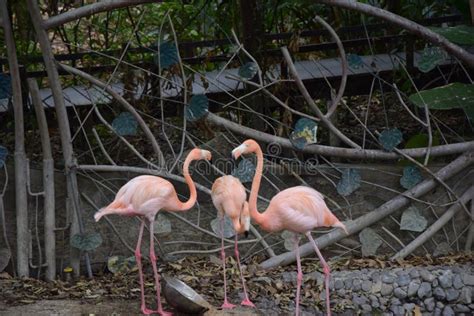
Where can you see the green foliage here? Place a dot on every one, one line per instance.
(197, 108)
(390, 138)
(452, 96)
(86, 242)
(349, 182)
(459, 34)
(419, 141)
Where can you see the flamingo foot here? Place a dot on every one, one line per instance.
(227, 305)
(247, 302)
(147, 311)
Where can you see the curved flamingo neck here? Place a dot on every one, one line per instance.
(184, 206)
(259, 218)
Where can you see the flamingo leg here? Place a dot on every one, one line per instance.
(326, 270)
(155, 271)
(226, 304)
(246, 300)
(299, 276)
(138, 256)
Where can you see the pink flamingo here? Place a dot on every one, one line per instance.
(229, 198)
(145, 196)
(298, 209)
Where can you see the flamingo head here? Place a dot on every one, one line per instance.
(246, 147)
(206, 155)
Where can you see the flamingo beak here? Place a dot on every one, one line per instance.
(238, 151)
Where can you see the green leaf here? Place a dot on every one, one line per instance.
(370, 241)
(228, 227)
(248, 71)
(419, 141)
(305, 133)
(459, 34)
(355, 61)
(3, 155)
(430, 58)
(390, 138)
(125, 124)
(349, 182)
(452, 96)
(411, 177)
(197, 108)
(120, 264)
(244, 171)
(5, 86)
(168, 55)
(86, 242)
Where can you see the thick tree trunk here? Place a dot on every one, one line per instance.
(21, 197)
(65, 133)
(48, 183)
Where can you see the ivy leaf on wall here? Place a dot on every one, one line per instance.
(305, 133)
(430, 58)
(248, 70)
(168, 55)
(125, 124)
(120, 264)
(244, 171)
(228, 227)
(390, 138)
(86, 242)
(349, 182)
(413, 220)
(355, 61)
(197, 108)
(411, 177)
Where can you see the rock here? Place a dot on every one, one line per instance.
(459, 308)
(366, 307)
(448, 311)
(437, 311)
(366, 286)
(359, 300)
(451, 295)
(395, 301)
(409, 307)
(446, 279)
(439, 293)
(466, 295)
(383, 302)
(397, 310)
(348, 283)
(338, 284)
(375, 276)
(376, 287)
(427, 276)
(356, 285)
(424, 290)
(400, 293)
(435, 283)
(457, 282)
(386, 289)
(374, 301)
(388, 278)
(413, 288)
(414, 273)
(403, 279)
(468, 279)
(341, 293)
(429, 304)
